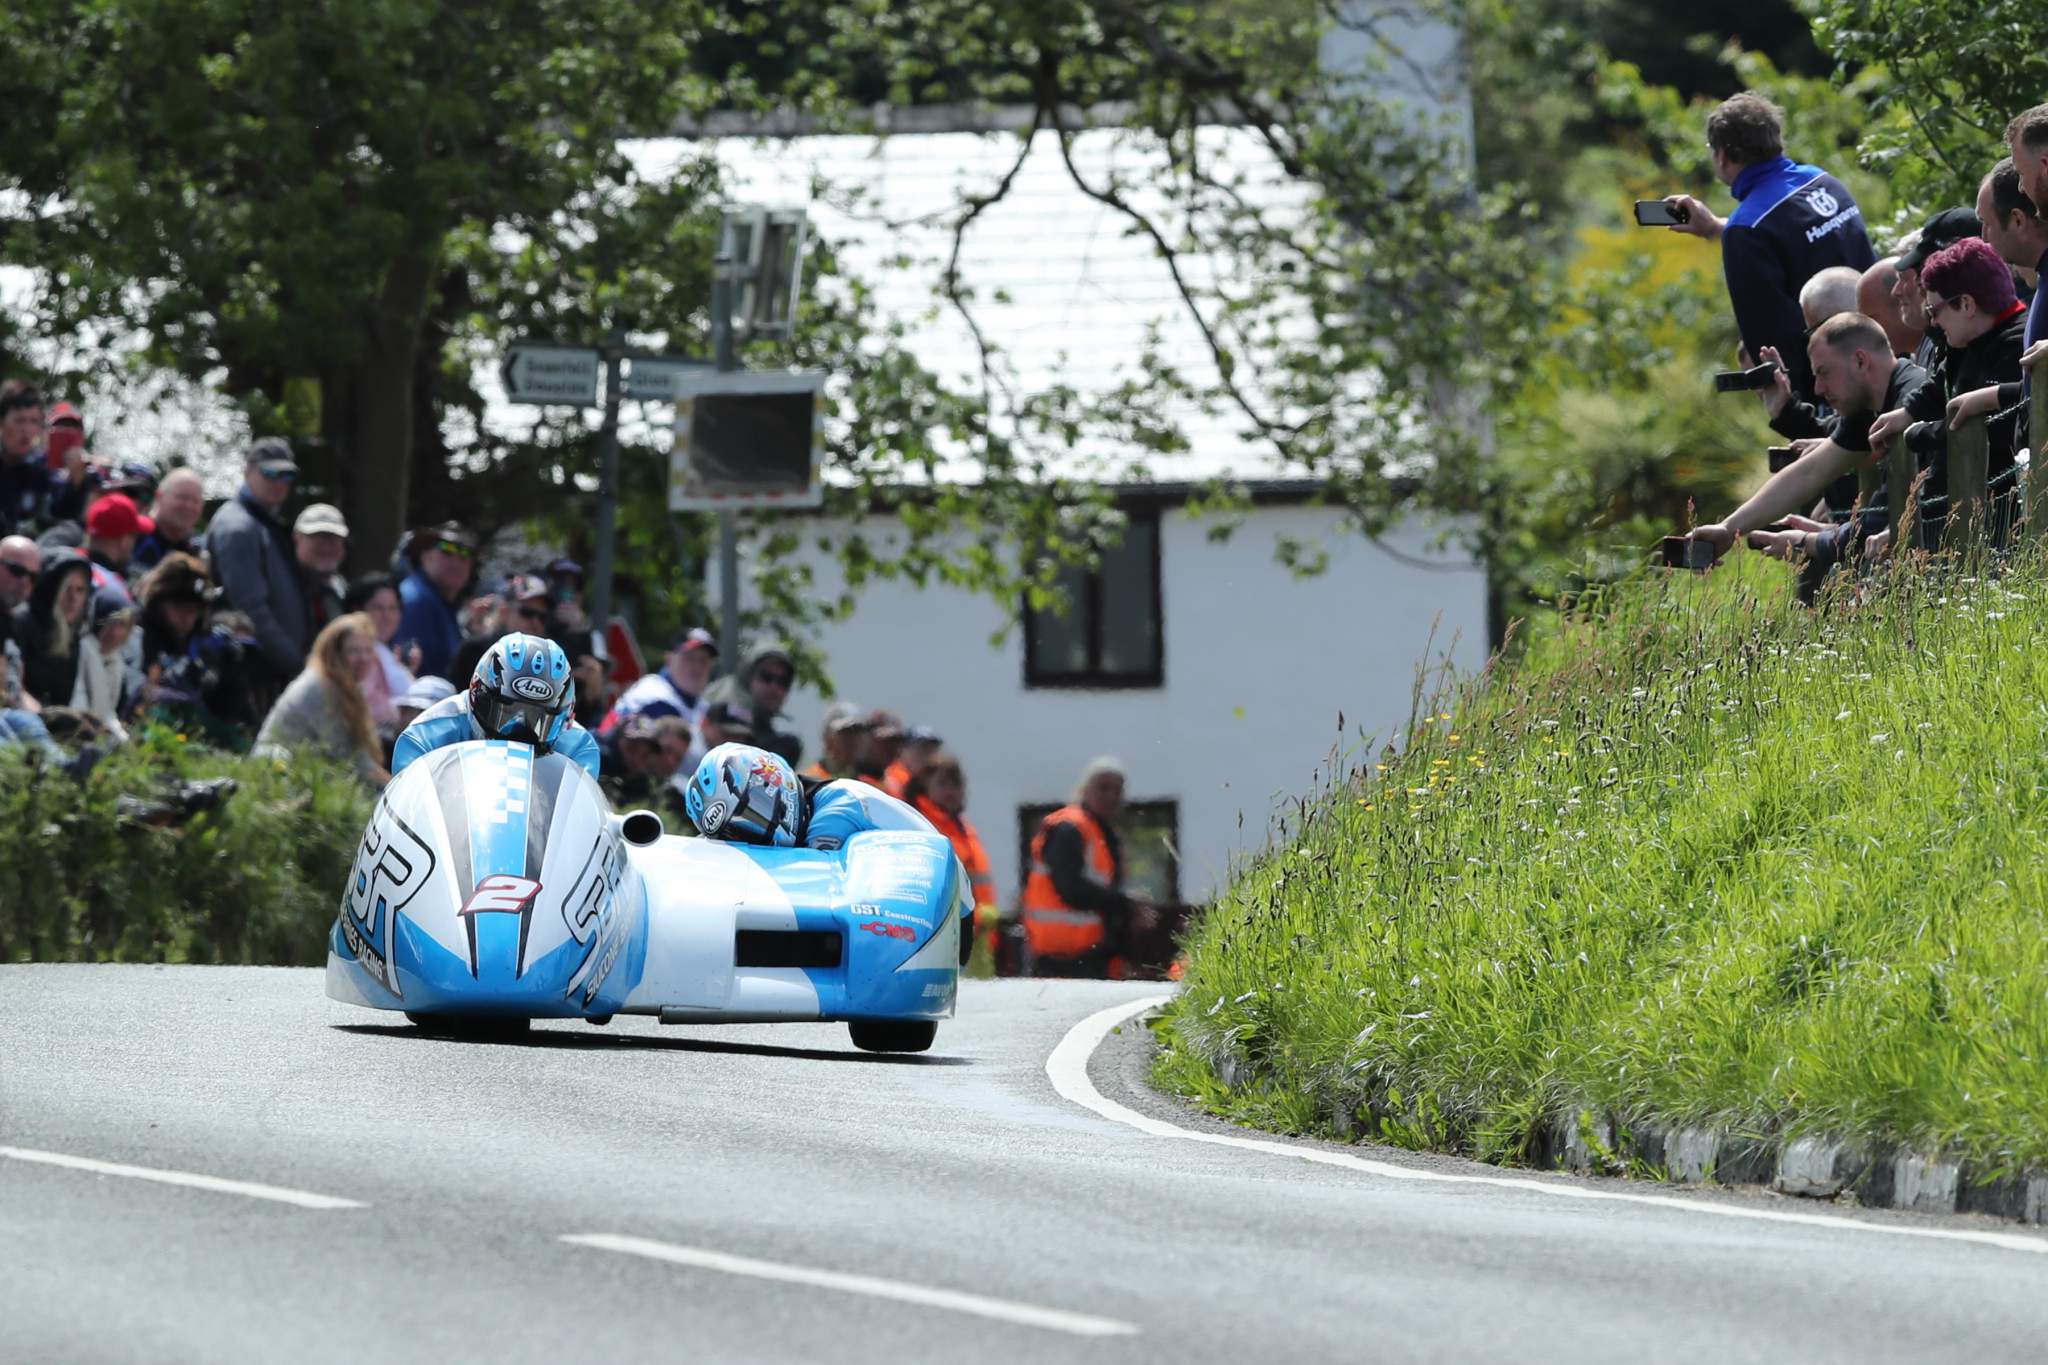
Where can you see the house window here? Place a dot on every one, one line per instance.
(1110, 634)
(1148, 833)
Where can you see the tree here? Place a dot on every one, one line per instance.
(270, 192)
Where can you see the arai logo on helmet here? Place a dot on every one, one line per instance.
(531, 688)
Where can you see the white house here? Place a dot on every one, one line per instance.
(1215, 675)
(1209, 668)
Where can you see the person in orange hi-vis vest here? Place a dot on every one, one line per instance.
(919, 749)
(939, 794)
(1077, 917)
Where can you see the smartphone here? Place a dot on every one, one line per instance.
(1742, 381)
(1683, 552)
(1657, 213)
(1781, 456)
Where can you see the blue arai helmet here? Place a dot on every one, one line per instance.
(521, 690)
(746, 794)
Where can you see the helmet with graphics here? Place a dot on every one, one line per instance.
(521, 690)
(747, 795)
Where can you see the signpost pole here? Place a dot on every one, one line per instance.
(728, 526)
(607, 490)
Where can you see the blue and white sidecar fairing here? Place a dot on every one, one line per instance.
(493, 887)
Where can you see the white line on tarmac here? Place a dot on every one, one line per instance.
(1002, 1310)
(246, 1188)
(1068, 1068)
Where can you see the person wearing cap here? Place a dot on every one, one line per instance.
(882, 744)
(444, 563)
(112, 526)
(1970, 298)
(179, 504)
(643, 758)
(1076, 915)
(101, 687)
(194, 679)
(844, 731)
(677, 688)
(255, 561)
(1877, 297)
(920, 744)
(1943, 230)
(523, 608)
(320, 544)
(1791, 222)
(755, 696)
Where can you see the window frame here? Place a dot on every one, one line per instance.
(1087, 609)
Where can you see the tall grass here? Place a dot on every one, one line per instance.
(1703, 856)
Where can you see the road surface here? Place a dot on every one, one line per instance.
(222, 1165)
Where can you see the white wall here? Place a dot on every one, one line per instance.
(1258, 665)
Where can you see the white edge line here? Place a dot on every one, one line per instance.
(1002, 1310)
(277, 1194)
(1067, 1067)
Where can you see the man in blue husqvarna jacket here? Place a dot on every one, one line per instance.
(1791, 221)
(750, 795)
(521, 690)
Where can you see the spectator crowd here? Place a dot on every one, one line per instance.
(1876, 358)
(122, 603)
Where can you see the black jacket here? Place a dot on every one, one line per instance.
(1791, 222)
(31, 493)
(1992, 360)
(49, 675)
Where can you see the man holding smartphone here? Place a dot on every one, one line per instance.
(1856, 374)
(1791, 221)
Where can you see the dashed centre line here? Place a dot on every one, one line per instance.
(924, 1296)
(247, 1189)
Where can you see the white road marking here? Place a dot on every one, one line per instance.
(1002, 1310)
(1068, 1069)
(246, 1188)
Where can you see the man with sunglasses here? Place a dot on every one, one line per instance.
(524, 608)
(31, 493)
(755, 696)
(443, 565)
(256, 562)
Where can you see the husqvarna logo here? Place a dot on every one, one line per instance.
(1822, 202)
(533, 689)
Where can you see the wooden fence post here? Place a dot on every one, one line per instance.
(1899, 471)
(2037, 441)
(1969, 456)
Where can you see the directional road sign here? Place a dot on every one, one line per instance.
(652, 378)
(559, 375)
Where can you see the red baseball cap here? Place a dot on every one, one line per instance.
(114, 516)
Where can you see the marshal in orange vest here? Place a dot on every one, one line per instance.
(1051, 926)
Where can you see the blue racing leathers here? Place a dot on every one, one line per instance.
(449, 722)
(844, 808)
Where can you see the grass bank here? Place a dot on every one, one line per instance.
(1702, 857)
(255, 881)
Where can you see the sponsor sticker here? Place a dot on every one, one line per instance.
(532, 688)
(884, 929)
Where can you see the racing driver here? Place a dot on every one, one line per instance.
(751, 796)
(522, 691)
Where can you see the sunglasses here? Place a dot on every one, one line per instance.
(782, 680)
(453, 547)
(1935, 305)
(283, 473)
(30, 574)
(533, 613)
